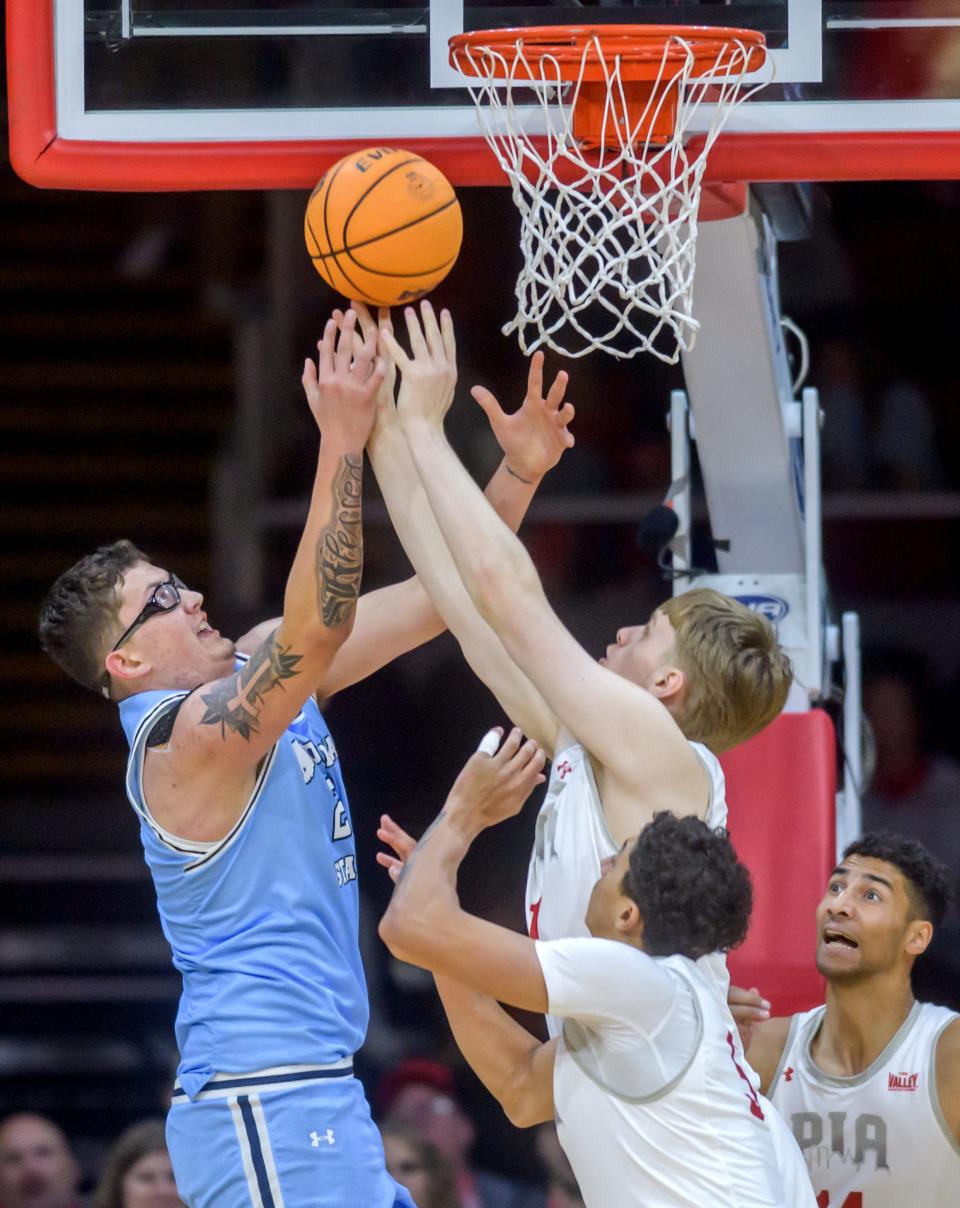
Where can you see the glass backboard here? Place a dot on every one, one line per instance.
(253, 93)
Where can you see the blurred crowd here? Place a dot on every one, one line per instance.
(428, 1139)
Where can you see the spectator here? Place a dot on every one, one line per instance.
(138, 1173)
(915, 793)
(420, 1095)
(420, 1167)
(37, 1167)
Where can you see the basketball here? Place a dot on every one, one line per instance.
(383, 226)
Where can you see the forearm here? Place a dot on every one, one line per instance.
(423, 542)
(422, 916)
(497, 1048)
(425, 925)
(324, 580)
(490, 560)
(510, 495)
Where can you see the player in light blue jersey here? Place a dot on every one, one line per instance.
(243, 813)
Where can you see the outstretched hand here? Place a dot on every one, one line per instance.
(369, 332)
(429, 373)
(396, 837)
(494, 783)
(533, 439)
(341, 388)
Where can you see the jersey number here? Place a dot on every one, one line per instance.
(853, 1200)
(535, 919)
(755, 1108)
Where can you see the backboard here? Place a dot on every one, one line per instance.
(200, 94)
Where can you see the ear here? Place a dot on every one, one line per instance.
(669, 684)
(919, 935)
(629, 919)
(125, 667)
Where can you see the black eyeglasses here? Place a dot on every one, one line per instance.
(164, 598)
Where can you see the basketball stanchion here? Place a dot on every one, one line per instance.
(609, 195)
(383, 226)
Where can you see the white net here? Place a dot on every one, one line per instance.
(608, 236)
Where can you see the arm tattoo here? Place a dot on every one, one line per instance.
(339, 556)
(235, 703)
(424, 839)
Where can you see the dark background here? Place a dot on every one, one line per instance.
(124, 321)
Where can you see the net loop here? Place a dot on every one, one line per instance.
(608, 181)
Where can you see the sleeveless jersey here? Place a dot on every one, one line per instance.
(572, 839)
(263, 924)
(655, 1111)
(877, 1139)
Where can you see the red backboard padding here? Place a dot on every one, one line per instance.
(781, 792)
(42, 157)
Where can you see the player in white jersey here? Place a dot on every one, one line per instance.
(653, 1106)
(870, 1082)
(634, 733)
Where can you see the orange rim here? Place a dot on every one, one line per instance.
(640, 49)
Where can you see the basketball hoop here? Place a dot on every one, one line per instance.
(609, 196)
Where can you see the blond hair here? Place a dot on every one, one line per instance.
(737, 675)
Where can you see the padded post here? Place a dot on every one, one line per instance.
(781, 792)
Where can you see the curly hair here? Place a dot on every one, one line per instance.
(928, 881)
(82, 607)
(693, 893)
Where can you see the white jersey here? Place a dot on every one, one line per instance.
(572, 839)
(652, 1102)
(878, 1139)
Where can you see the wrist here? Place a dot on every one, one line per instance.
(341, 444)
(461, 824)
(514, 468)
(422, 425)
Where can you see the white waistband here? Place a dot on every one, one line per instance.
(276, 1078)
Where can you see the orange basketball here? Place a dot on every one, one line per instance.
(383, 226)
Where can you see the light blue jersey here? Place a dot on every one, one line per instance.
(263, 923)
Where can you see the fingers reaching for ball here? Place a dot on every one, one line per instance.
(497, 779)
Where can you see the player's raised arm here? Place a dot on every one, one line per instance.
(226, 726)
(425, 924)
(535, 438)
(511, 1063)
(623, 726)
(395, 619)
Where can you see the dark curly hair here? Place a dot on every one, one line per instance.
(928, 881)
(693, 893)
(82, 607)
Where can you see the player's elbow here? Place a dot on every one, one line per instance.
(391, 931)
(399, 931)
(502, 584)
(522, 1108)
(319, 631)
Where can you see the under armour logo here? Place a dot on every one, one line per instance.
(564, 769)
(316, 1138)
(788, 1074)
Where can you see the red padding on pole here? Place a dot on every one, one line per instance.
(781, 790)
